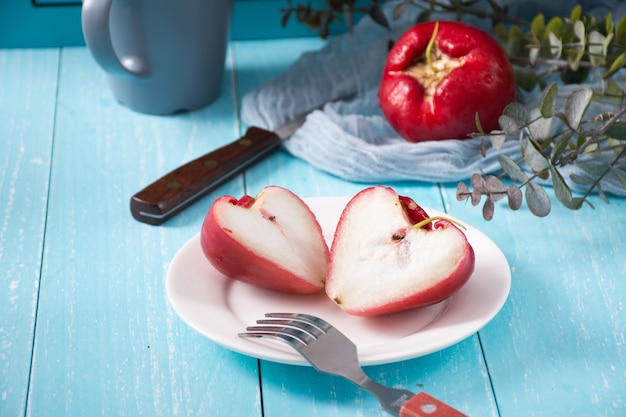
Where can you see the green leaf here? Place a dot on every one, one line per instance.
(540, 129)
(581, 180)
(497, 139)
(620, 32)
(501, 32)
(554, 27)
(538, 26)
(525, 78)
(576, 203)
(537, 200)
(535, 160)
(509, 124)
(575, 106)
(613, 91)
(512, 169)
(595, 168)
(561, 189)
(609, 24)
(617, 131)
(617, 64)
(514, 195)
(548, 104)
(560, 144)
(576, 13)
(597, 47)
(556, 45)
(479, 126)
(517, 111)
(577, 49)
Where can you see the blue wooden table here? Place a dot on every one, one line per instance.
(85, 325)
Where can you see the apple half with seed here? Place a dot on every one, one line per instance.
(389, 256)
(272, 240)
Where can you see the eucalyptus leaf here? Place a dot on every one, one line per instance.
(556, 45)
(462, 192)
(515, 197)
(554, 27)
(613, 90)
(488, 209)
(509, 124)
(576, 13)
(595, 168)
(581, 179)
(517, 111)
(617, 64)
(576, 49)
(512, 169)
(537, 200)
(497, 138)
(576, 105)
(561, 189)
(497, 189)
(601, 193)
(620, 32)
(540, 129)
(538, 26)
(533, 157)
(548, 104)
(478, 183)
(617, 131)
(597, 47)
(576, 203)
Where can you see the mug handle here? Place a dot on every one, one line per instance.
(95, 24)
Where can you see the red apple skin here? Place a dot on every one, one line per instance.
(483, 84)
(236, 261)
(442, 290)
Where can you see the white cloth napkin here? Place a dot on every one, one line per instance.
(350, 138)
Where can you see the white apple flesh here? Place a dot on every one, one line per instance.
(380, 263)
(272, 241)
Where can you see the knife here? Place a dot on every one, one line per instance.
(181, 187)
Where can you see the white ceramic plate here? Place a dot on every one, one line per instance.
(219, 308)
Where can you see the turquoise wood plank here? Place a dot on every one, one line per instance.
(57, 23)
(557, 348)
(26, 120)
(107, 342)
(457, 374)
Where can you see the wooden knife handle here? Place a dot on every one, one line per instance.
(424, 405)
(178, 189)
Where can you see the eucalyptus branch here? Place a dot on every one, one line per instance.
(575, 47)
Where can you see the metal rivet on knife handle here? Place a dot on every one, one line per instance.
(178, 189)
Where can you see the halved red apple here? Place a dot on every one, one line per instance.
(272, 240)
(387, 256)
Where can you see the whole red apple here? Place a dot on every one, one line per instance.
(272, 240)
(438, 76)
(388, 256)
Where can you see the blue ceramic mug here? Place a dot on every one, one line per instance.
(160, 56)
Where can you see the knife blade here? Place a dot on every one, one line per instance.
(183, 186)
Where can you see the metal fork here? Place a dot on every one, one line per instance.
(331, 352)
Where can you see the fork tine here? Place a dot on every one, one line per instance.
(294, 337)
(313, 331)
(306, 318)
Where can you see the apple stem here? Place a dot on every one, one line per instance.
(429, 48)
(435, 218)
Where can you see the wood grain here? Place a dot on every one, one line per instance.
(26, 133)
(85, 325)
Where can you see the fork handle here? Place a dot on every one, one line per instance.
(424, 405)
